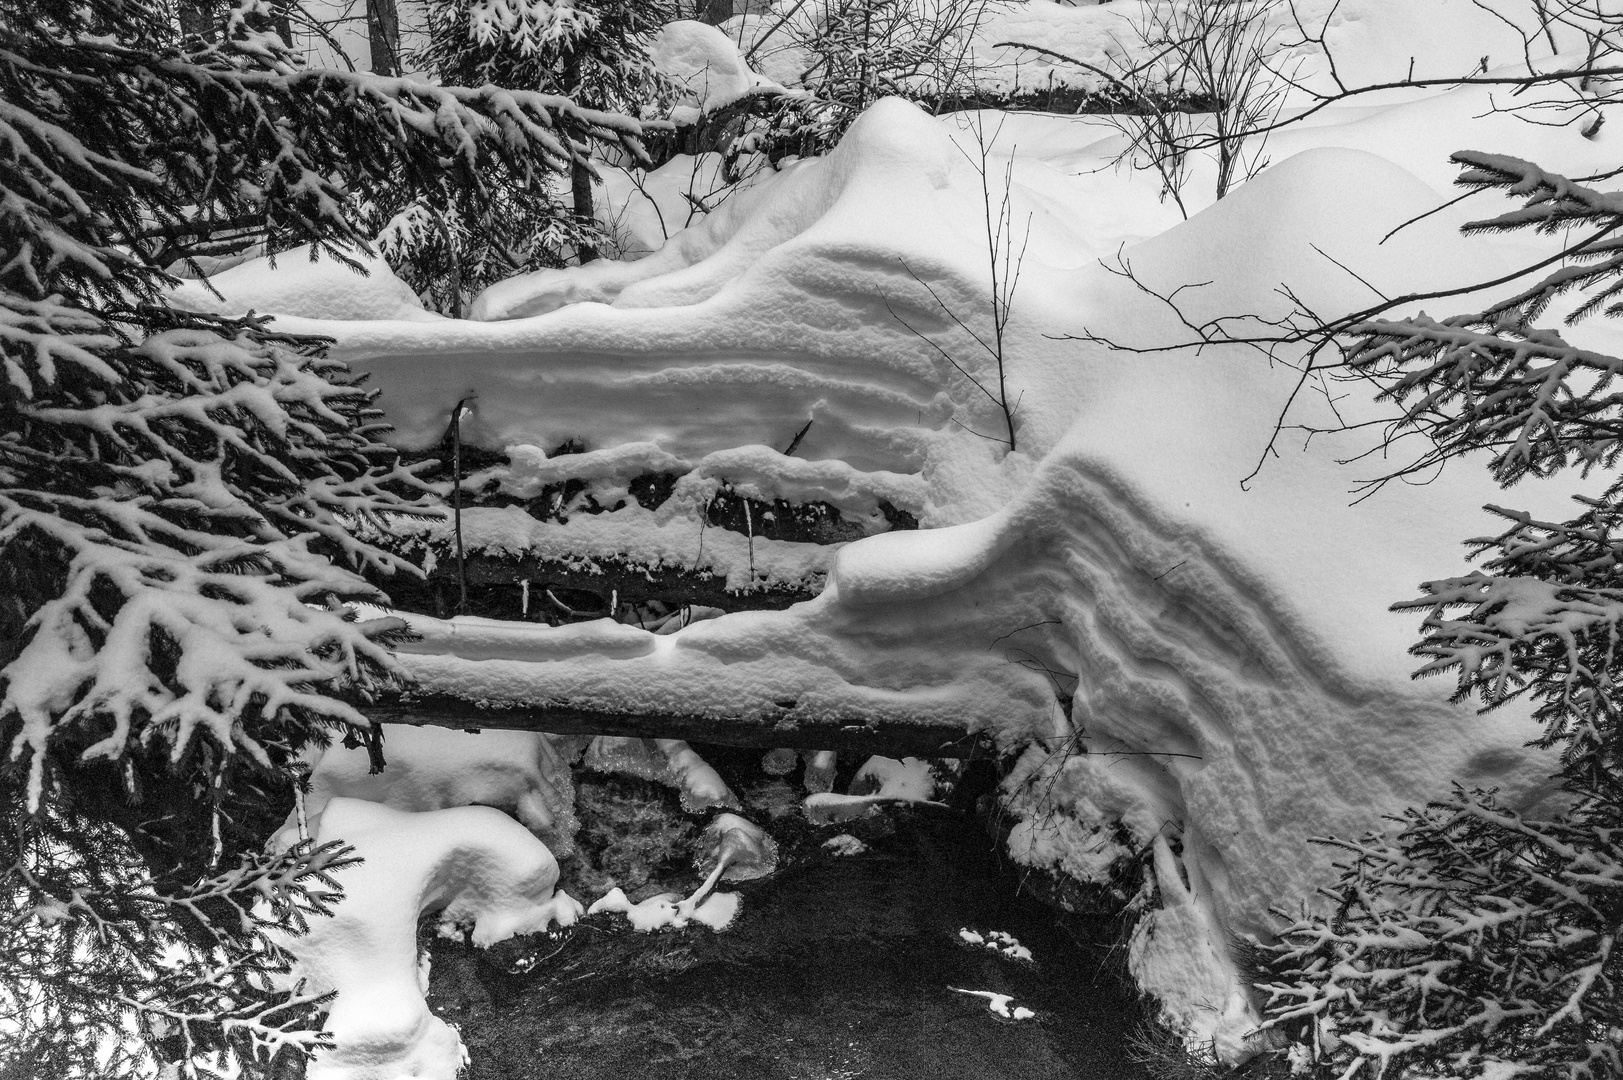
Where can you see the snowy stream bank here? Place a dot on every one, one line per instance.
(1126, 582)
(841, 965)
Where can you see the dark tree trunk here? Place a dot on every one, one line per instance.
(284, 24)
(383, 33)
(580, 177)
(197, 19)
(715, 12)
(580, 183)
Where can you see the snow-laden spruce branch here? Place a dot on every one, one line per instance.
(245, 145)
(1475, 944)
(178, 505)
(80, 933)
(179, 497)
(175, 516)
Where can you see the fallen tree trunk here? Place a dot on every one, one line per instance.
(496, 589)
(890, 739)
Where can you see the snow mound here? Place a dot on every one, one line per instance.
(915, 565)
(473, 865)
(1193, 655)
(429, 768)
(1178, 954)
(671, 762)
(303, 284)
(881, 781)
(890, 140)
(666, 911)
(704, 64)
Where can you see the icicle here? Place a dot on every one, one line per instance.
(749, 523)
(524, 597)
(301, 780)
(298, 809)
(216, 842)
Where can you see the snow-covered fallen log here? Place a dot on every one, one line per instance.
(1196, 661)
(851, 734)
(475, 867)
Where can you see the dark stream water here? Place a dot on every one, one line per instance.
(838, 968)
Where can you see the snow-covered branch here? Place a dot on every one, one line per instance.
(236, 137)
(1476, 941)
(172, 508)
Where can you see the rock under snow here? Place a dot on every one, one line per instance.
(312, 287)
(430, 768)
(474, 866)
(705, 65)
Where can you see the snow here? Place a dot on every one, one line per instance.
(665, 912)
(1188, 654)
(998, 1003)
(889, 778)
(642, 210)
(844, 845)
(475, 867)
(525, 773)
(298, 283)
(666, 761)
(881, 781)
(704, 64)
(998, 941)
(1178, 954)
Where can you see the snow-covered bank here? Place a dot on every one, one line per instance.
(475, 867)
(1197, 664)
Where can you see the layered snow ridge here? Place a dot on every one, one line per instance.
(1193, 657)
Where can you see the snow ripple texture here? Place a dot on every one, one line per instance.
(1197, 668)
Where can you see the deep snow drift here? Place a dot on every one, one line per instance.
(474, 866)
(1189, 666)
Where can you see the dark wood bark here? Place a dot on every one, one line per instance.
(580, 177)
(854, 736)
(580, 186)
(198, 17)
(383, 33)
(495, 590)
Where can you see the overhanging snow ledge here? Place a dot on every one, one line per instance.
(888, 737)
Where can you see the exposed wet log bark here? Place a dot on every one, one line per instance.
(854, 736)
(495, 590)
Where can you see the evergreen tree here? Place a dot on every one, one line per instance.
(1544, 616)
(1477, 943)
(177, 494)
(596, 53)
(850, 54)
